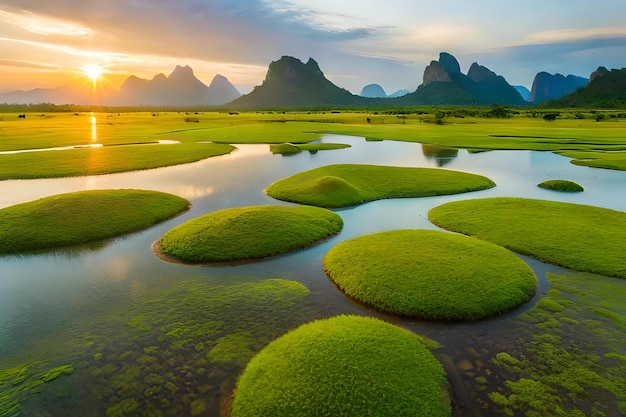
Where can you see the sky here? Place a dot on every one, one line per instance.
(46, 44)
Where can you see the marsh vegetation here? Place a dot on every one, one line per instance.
(113, 330)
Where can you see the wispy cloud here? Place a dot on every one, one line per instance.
(43, 25)
(578, 34)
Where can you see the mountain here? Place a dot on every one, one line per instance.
(444, 83)
(606, 89)
(399, 93)
(373, 90)
(291, 83)
(523, 91)
(547, 86)
(180, 88)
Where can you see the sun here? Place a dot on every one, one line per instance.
(93, 72)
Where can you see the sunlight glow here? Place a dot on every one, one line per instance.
(93, 72)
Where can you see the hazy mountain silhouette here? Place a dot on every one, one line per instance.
(180, 88)
(523, 91)
(444, 83)
(547, 86)
(373, 90)
(291, 83)
(606, 89)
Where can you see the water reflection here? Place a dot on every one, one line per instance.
(46, 295)
(94, 129)
(440, 154)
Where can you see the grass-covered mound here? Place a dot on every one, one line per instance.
(344, 185)
(430, 274)
(82, 217)
(562, 185)
(248, 232)
(343, 366)
(290, 149)
(576, 236)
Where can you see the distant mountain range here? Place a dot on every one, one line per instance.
(376, 91)
(290, 83)
(180, 88)
(547, 86)
(606, 89)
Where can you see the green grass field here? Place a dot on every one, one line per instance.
(580, 237)
(343, 366)
(82, 217)
(598, 144)
(248, 233)
(430, 274)
(344, 185)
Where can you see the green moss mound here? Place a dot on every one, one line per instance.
(562, 185)
(576, 236)
(363, 183)
(430, 274)
(290, 149)
(82, 217)
(248, 233)
(343, 366)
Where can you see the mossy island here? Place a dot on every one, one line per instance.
(430, 275)
(562, 185)
(344, 185)
(83, 217)
(576, 236)
(343, 366)
(247, 233)
(292, 148)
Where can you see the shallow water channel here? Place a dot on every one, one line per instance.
(47, 298)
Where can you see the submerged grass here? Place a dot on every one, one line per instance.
(430, 274)
(248, 233)
(570, 362)
(344, 185)
(82, 217)
(343, 366)
(576, 236)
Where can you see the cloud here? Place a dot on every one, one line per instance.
(579, 34)
(43, 25)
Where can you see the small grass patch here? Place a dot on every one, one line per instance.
(343, 366)
(290, 149)
(562, 185)
(576, 236)
(345, 185)
(430, 274)
(248, 233)
(82, 217)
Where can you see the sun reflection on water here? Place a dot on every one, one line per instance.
(94, 129)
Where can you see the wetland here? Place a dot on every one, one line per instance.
(109, 329)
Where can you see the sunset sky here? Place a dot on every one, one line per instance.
(389, 42)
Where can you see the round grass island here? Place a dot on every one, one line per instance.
(430, 275)
(83, 217)
(247, 233)
(562, 185)
(343, 366)
(344, 185)
(576, 236)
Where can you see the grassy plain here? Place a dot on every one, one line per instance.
(580, 237)
(81, 217)
(344, 185)
(430, 274)
(343, 366)
(248, 232)
(592, 143)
